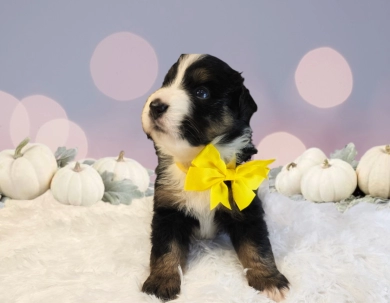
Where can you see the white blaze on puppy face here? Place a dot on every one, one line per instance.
(169, 122)
(185, 62)
(165, 131)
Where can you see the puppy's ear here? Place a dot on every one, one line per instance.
(247, 106)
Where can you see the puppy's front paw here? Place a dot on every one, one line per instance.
(274, 287)
(164, 287)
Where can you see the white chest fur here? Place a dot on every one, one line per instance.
(195, 204)
(198, 206)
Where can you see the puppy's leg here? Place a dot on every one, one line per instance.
(249, 235)
(171, 230)
(262, 273)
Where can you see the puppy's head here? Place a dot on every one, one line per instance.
(202, 100)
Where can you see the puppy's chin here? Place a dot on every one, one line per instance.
(167, 137)
(180, 149)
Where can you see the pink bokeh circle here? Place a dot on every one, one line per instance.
(53, 133)
(282, 146)
(8, 104)
(42, 109)
(62, 132)
(77, 138)
(42, 119)
(323, 78)
(19, 126)
(124, 66)
(30, 114)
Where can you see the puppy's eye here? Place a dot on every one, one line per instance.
(202, 93)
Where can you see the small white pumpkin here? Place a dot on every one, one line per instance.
(373, 172)
(78, 185)
(310, 157)
(26, 172)
(332, 181)
(124, 168)
(288, 181)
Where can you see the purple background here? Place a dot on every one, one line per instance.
(46, 49)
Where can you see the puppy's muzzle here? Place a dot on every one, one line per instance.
(157, 108)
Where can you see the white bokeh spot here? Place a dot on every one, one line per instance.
(19, 126)
(43, 120)
(323, 78)
(282, 146)
(124, 66)
(62, 132)
(8, 103)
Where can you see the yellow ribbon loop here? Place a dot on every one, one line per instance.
(209, 171)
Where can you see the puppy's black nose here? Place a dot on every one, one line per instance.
(157, 108)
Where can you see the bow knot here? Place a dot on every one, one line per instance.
(209, 171)
(230, 175)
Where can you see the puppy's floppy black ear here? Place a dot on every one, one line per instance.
(247, 106)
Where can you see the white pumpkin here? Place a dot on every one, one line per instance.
(310, 157)
(124, 168)
(26, 172)
(373, 172)
(288, 181)
(332, 181)
(78, 185)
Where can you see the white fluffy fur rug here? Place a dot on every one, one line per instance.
(50, 252)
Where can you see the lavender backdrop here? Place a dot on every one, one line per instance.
(77, 73)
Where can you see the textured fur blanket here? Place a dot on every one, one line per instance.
(50, 252)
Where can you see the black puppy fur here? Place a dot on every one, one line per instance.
(222, 118)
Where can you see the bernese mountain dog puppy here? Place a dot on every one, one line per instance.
(203, 100)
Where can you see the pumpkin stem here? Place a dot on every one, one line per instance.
(291, 165)
(387, 149)
(18, 150)
(121, 157)
(77, 168)
(326, 164)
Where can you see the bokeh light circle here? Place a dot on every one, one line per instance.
(323, 78)
(42, 109)
(282, 146)
(19, 126)
(62, 132)
(53, 133)
(77, 138)
(8, 104)
(41, 119)
(124, 66)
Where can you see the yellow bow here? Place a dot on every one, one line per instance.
(209, 171)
